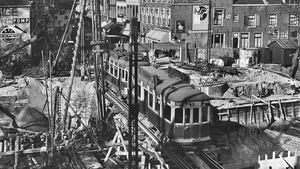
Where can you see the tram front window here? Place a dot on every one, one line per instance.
(196, 115)
(178, 115)
(167, 112)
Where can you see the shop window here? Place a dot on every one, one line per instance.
(178, 115)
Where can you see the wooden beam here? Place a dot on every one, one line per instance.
(281, 110)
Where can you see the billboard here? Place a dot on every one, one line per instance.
(200, 17)
(14, 28)
(180, 26)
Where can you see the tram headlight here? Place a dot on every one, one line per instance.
(125, 90)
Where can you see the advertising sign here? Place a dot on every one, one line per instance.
(200, 17)
(180, 26)
(14, 28)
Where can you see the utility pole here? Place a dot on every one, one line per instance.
(133, 108)
(98, 50)
(209, 34)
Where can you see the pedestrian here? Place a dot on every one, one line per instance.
(82, 72)
(293, 85)
(89, 72)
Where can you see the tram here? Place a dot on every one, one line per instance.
(117, 71)
(175, 108)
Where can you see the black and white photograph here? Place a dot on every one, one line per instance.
(149, 84)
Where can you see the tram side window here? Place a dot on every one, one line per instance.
(126, 76)
(157, 104)
(116, 71)
(196, 115)
(139, 90)
(204, 114)
(111, 69)
(178, 115)
(187, 115)
(167, 112)
(123, 74)
(151, 100)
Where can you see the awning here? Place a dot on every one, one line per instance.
(158, 35)
(168, 45)
(108, 25)
(126, 30)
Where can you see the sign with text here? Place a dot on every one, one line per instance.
(14, 28)
(200, 17)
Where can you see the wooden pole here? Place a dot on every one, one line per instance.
(17, 142)
(83, 3)
(65, 33)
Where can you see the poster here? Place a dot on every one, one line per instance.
(14, 28)
(200, 17)
(180, 26)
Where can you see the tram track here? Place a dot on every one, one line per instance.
(174, 156)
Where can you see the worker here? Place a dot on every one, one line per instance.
(82, 72)
(293, 85)
(89, 72)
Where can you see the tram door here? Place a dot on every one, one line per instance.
(187, 123)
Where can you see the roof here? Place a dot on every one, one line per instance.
(248, 2)
(173, 88)
(285, 43)
(257, 2)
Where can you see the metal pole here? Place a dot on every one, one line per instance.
(134, 24)
(130, 108)
(209, 34)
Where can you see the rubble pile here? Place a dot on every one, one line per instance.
(257, 82)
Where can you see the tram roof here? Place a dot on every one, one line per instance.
(173, 88)
(122, 61)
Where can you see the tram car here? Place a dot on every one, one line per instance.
(175, 108)
(117, 68)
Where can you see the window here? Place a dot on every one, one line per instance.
(217, 40)
(252, 20)
(139, 90)
(235, 40)
(257, 39)
(157, 104)
(273, 20)
(245, 40)
(167, 112)
(178, 115)
(151, 100)
(204, 117)
(284, 35)
(196, 115)
(293, 20)
(111, 68)
(187, 115)
(218, 17)
(235, 18)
